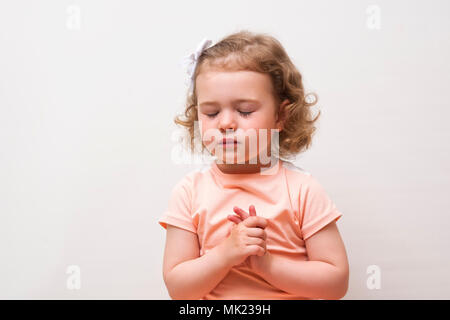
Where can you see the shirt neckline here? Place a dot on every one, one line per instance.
(255, 175)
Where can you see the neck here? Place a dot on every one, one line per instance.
(236, 168)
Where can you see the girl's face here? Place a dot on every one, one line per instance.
(238, 105)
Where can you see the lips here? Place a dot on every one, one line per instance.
(228, 141)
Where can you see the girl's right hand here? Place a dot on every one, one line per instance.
(245, 239)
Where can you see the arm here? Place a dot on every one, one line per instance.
(324, 276)
(187, 275)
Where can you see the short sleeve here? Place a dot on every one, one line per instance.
(317, 208)
(179, 209)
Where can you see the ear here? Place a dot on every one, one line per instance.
(281, 115)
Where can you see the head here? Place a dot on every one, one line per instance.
(247, 87)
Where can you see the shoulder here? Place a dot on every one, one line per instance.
(193, 177)
(301, 178)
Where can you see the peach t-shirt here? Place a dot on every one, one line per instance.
(292, 200)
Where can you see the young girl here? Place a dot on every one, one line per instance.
(246, 91)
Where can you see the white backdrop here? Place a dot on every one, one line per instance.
(88, 92)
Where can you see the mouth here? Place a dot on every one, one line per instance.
(228, 141)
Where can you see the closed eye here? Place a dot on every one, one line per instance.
(244, 114)
(212, 115)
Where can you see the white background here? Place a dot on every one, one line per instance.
(88, 93)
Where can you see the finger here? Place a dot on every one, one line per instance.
(255, 221)
(255, 241)
(234, 219)
(256, 250)
(257, 232)
(252, 210)
(241, 213)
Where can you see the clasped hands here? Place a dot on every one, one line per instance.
(251, 231)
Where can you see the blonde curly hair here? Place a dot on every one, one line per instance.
(259, 52)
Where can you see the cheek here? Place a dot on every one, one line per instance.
(208, 133)
(254, 123)
(259, 124)
(204, 125)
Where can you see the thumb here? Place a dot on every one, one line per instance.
(231, 226)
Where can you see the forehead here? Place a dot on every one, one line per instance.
(217, 85)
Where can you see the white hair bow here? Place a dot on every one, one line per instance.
(189, 62)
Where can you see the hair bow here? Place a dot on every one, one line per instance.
(189, 62)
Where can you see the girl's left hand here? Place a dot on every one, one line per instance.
(255, 262)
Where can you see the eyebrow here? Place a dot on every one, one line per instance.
(213, 103)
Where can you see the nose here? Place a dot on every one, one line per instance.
(227, 121)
